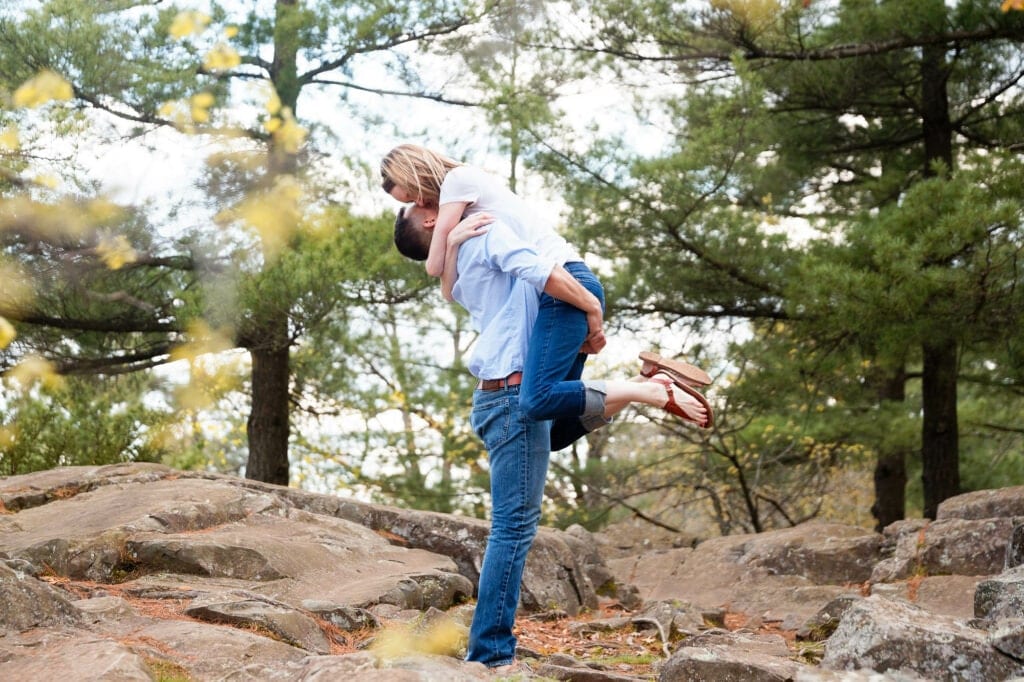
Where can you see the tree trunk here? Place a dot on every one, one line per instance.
(891, 467)
(940, 450)
(940, 453)
(268, 426)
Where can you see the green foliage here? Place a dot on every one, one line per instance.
(84, 421)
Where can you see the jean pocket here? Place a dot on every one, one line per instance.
(491, 420)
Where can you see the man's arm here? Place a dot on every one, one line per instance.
(565, 287)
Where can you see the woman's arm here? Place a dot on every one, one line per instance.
(473, 226)
(448, 215)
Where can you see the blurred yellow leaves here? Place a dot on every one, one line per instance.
(189, 23)
(443, 637)
(1012, 4)
(274, 214)
(221, 58)
(34, 369)
(185, 113)
(10, 140)
(754, 13)
(287, 133)
(43, 87)
(17, 292)
(7, 333)
(116, 252)
(203, 340)
(210, 376)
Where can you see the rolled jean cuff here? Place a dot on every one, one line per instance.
(593, 408)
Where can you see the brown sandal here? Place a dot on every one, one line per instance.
(673, 408)
(684, 371)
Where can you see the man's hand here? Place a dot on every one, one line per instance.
(595, 340)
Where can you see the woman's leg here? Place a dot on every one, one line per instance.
(551, 377)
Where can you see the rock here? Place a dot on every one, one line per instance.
(730, 657)
(31, 603)
(883, 635)
(948, 595)
(950, 546)
(1008, 637)
(821, 625)
(1015, 550)
(983, 504)
(251, 611)
(1001, 596)
(345, 618)
(824, 553)
(719, 573)
(71, 655)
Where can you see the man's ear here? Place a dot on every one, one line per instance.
(429, 223)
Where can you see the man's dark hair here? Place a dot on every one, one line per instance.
(412, 241)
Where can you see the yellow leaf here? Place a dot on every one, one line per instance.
(45, 86)
(17, 291)
(274, 215)
(289, 135)
(221, 58)
(9, 140)
(188, 23)
(35, 369)
(203, 339)
(47, 181)
(116, 252)
(7, 333)
(230, 32)
(1012, 4)
(8, 436)
(273, 103)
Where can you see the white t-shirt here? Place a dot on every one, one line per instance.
(485, 193)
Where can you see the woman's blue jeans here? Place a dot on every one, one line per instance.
(551, 387)
(518, 448)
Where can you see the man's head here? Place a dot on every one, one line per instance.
(414, 227)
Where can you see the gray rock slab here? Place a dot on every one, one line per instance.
(69, 655)
(214, 652)
(1007, 636)
(250, 611)
(983, 504)
(947, 595)
(1001, 596)
(712, 576)
(215, 529)
(720, 656)
(950, 546)
(892, 636)
(27, 602)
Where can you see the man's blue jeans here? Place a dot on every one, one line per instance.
(518, 448)
(551, 386)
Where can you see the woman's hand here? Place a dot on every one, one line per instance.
(473, 226)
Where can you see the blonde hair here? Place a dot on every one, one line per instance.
(418, 170)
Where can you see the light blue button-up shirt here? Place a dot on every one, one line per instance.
(500, 281)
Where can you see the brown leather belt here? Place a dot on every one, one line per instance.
(513, 379)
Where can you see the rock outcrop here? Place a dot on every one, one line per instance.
(138, 571)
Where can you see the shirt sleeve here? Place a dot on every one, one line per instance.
(512, 255)
(460, 184)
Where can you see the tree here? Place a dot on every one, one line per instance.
(160, 67)
(861, 101)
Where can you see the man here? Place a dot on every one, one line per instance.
(500, 281)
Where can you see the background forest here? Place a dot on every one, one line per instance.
(820, 201)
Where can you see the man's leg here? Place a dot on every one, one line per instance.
(518, 450)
